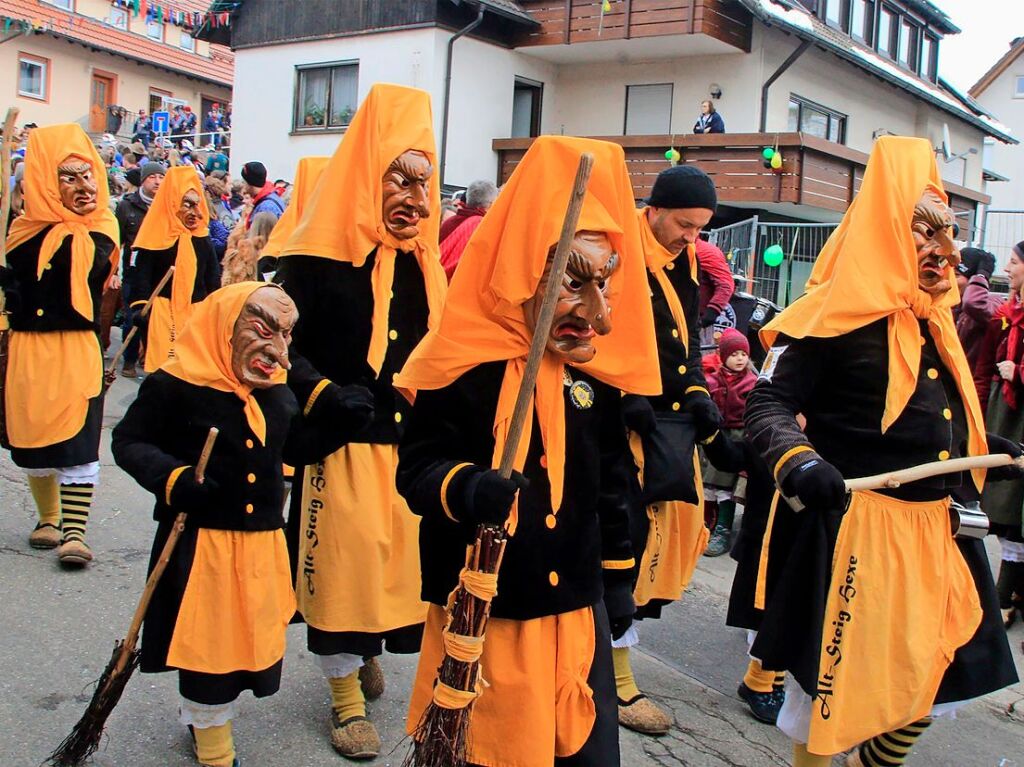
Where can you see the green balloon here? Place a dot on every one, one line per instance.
(767, 153)
(672, 155)
(773, 255)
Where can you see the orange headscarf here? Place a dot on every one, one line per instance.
(344, 222)
(657, 258)
(203, 353)
(501, 268)
(161, 228)
(306, 176)
(47, 149)
(868, 271)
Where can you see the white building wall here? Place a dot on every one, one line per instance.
(1006, 159)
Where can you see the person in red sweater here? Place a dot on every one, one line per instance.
(456, 231)
(729, 387)
(716, 282)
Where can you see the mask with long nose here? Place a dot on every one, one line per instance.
(261, 336)
(582, 311)
(406, 194)
(932, 227)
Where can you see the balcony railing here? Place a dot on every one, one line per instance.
(578, 21)
(817, 173)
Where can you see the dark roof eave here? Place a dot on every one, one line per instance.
(523, 18)
(140, 60)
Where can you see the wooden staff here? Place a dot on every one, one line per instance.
(111, 375)
(84, 739)
(891, 479)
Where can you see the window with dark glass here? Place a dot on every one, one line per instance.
(814, 119)
(929, 57)
(526, 103)
(908, 45)
(325, 95)
(862, 20)
(888, 26)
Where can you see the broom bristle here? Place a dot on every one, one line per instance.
(440, 739)
(85, 737)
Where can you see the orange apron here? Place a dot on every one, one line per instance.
(536, 681)
(50, 379)
(358, 559)
(162, 332)
(901, 602)
(236, 605)
(676, 539)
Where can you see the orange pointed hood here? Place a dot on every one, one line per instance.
(306, 177)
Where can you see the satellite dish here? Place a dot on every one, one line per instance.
(947, 145)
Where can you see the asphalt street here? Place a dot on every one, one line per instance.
(59, 628)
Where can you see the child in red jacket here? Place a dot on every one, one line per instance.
(729, 386)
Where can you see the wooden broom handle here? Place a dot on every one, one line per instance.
(521, 411)
(145, 311)
(165, 557)
(934, 469)
(5, 196)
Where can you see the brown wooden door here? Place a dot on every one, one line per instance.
(101, 96)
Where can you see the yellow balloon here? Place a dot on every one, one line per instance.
(776, 161)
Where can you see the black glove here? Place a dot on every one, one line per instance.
(618, 603)
(997, 444)
(190, 496)
(350, 407)
(726, 454)
(12, 292)
(620, 625)
(986, 264)
(708, 318)
(818, 484)
(706, 418)
(638, 414)
(487, 497)
(138, 321)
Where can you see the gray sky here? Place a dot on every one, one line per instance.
(988, 27)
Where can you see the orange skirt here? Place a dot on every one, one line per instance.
(164, 329)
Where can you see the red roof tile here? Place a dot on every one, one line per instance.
(218, 68)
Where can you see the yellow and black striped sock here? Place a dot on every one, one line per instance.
(780, 680)
(46, 494)
(757, 678)
(893, 748)
(75, 501)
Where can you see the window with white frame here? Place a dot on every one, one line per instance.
(648, 109)
(326, 95)
(67, 5)
(1018, 87)
(187, 42)
(118, 18)
(32, 77)
(807, 117)
(155, 30)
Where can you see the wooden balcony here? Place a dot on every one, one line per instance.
(578, 21)
(815, 173)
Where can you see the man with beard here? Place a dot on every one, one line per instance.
(668, 521)
(175, 233)
(565, 582)
(875, 598)
(220, 610)
(61, 252)
(363, 269)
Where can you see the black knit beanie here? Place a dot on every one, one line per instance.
(683, 186)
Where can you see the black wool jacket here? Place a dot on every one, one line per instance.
(166, 427)
(554, 563)
(332, 336)
(149, 266)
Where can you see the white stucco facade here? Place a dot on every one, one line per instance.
(581, 96)
(1007, 160)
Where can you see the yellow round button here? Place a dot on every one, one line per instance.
(398, 417)
(944, 455)
(249, 443)
(249, 508)
(543, 461)
(682, 369)
(675, 405)
(39, 312)
(933, 373)
(553, 578)
(921, 340)
(550, 521)
(675, 333)
(251, 478)
(48, 267)
(670, 265)
(947, 414)
(393, 334)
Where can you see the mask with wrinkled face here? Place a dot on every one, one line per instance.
(932, 229)
(582, 311)
(77, 185)
(188, 213)
(261, 336)
(406, 194)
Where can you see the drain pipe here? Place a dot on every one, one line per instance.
(448, 83)
(775, 76)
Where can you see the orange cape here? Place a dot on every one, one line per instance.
(867, 271)
(501, 268)
(306, 177)
(203, 353)
(47, 149)
(161, 228)
(343, 220)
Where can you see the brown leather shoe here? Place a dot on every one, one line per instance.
(371, 679)
(355, 738)
(74, 553)
(129, 371)
(45, 536)
(642, 715)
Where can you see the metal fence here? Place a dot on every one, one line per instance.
(1000, 231)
